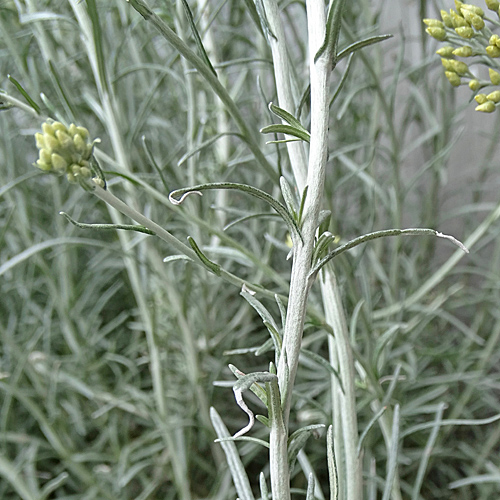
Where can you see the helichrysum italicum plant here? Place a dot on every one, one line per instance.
(468, 34)
(67, 150)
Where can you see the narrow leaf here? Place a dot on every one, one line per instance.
(240, 478)
(332, 466)
(333, 23)
(371, 423)
(205, 144)
(297, 441)
(126, 227)
(263, 443)
(211, 266)
(381, 234)
(310, 487)
(242, 385)
(288, 130)
(361, 44)
(196, 35)
(392, 459)
(264, 491)
(288, 117)
(290, 201)
(178, 196)
(25, 94)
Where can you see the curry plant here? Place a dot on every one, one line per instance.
(295, 197)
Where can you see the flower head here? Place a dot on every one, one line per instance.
(65, 150)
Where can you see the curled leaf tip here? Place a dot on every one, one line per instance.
(453, 240)
(174, 201)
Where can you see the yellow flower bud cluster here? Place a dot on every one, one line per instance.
(64, 150)
(467, 36)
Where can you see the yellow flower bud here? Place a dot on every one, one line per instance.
(58, 163)
(474, 19)
(40, 143)
(457, 20)
(458, 5)
(45, 155)
(472, 8)
(47, 128)
(448, 64)
(59, 126)
(465, 32)
(493, 51)
(83, 132)
(459, 67)
(492, 4)
(481, 98)
(64, 139)
(64, 150)
(453, 78)
(487, 107)
(85, 172)
(46, 167)
(494, 96)
(494, 77)
(464, 51)
(447, 20)
(474, 85)
(435, 23)
(494, 39)
(50, 141)
(445, 51)
(80, 144)
(437, 33)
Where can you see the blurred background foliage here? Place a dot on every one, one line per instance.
(111, 358)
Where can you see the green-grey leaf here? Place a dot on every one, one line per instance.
(25, 94)
(361, 44)
(288, 130)
(297, 441)
(333, 24)
(211, 266)
(196, 35)
(178, 196)
(240, 478)
(288, 117)
(126, 227)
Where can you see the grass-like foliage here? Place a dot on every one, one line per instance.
(260, 214)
